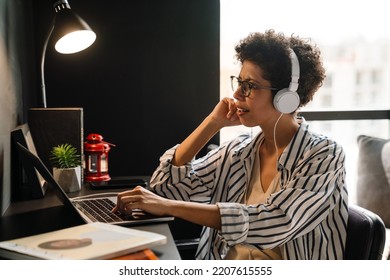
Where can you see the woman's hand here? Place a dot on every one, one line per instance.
(141, 198)
(225, 113)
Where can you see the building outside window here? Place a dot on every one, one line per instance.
(356, 56)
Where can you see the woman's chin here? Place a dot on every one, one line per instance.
(247, 123)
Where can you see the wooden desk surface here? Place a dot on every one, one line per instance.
(36, 216)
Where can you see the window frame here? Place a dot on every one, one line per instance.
(317, 115)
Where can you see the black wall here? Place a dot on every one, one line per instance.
(16, 81)
(147, 82)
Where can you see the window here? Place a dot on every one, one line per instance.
(359, 77)
(328, 81)
(355, 53)
(376, 77)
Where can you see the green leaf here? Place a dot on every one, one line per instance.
(65, 156)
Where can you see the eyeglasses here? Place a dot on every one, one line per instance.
(246, 86)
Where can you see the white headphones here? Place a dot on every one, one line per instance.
(287, 100)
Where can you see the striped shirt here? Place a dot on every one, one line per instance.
(307, 218)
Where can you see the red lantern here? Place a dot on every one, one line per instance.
(96, 158)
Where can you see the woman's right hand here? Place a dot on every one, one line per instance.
(225, 113)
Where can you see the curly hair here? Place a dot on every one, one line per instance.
(271, 51)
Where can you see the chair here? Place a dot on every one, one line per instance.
(366, 235)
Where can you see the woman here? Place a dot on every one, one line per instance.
(280, 194)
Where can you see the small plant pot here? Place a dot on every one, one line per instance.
(69, 179)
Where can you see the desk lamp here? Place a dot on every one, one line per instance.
(70, 33)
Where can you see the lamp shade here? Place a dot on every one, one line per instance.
(71, 33)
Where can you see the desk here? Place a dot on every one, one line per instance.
(36, 216)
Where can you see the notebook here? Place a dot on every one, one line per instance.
(92, 209)
(85, 242)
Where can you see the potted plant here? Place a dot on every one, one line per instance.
(66, 167)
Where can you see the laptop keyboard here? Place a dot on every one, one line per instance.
(99, 210)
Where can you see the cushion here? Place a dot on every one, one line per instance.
(386, 160)
(373, 181)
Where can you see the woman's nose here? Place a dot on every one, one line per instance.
(238, 95)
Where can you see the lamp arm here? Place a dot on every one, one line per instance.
(43, 89)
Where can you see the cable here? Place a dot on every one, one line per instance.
(276, 123)
(275, 142)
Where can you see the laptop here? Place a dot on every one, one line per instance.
(90, 209)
